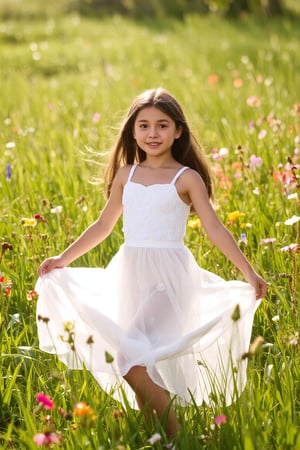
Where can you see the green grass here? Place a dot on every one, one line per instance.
(57, 71)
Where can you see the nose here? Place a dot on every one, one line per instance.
(152, 131)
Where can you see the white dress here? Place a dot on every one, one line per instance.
(151, 306)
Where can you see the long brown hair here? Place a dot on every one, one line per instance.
(186, 150)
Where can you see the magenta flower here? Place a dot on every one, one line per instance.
(220, 420)
(44, 400)
(46, 438)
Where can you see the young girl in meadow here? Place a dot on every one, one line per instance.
(169, 325)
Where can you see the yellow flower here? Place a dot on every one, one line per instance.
(235, 215)
(194, 224)
(26, 222)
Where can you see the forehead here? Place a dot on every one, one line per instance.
(151, 113)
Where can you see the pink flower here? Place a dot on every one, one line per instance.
(220, 420)
(255, 161)
(262, 134)
(253, 101)
(96, 117)
(46, 438)
(267, 240)
(46, 401)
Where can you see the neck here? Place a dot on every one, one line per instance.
(157, 163)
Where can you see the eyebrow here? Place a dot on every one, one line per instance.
(160, 120)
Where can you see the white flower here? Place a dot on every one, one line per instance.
(292, 220)
(10, 145)
(156, 437)
(56, 209)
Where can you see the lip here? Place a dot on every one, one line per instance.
(153, 144)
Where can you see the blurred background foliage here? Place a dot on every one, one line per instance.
(151, 8)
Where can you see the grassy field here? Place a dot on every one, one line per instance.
(66, 82)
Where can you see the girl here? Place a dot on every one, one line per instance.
(167, 323)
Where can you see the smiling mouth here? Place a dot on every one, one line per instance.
(153, 144)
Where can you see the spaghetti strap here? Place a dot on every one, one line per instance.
(131, 172)
(180, 171)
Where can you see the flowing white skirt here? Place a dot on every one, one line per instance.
(151, 307)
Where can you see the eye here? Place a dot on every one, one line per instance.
(143, 125)
(163, 125)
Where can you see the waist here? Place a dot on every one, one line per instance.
(154, 244)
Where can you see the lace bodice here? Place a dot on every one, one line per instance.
(153, 215)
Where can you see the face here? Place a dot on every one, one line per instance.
(154, 131)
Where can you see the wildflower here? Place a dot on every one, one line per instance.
(237, 83)
(235, 215)
(44, 400)
(32, 296)
(243, 238)
(29, 222)
(47, 438)
(8, 172)
(262, 134)
(256, 191)
(7, 291)
(292, 220)
(275, 318)
(293, 196)
(10, 145)
(194, 223)
(269, 240)
(156, 437)
(213, 79)
(40, 218)
(96, 117)
(255, 161)
(294, 340)
(56, 209)
(297, 109)
(82, 409)
(220, 420)
(253, 101)
(290, 248)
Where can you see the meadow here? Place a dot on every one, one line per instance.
(66, 83)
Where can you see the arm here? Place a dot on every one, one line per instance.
(95, 233)
(218, 233)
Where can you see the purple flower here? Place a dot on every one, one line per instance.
(8, 172)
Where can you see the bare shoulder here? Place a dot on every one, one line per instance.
(122, 175)
(191, 179)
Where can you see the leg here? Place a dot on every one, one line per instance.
(152, 396)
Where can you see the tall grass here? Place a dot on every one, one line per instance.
(66, 82)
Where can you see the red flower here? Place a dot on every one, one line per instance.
(32, 296)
